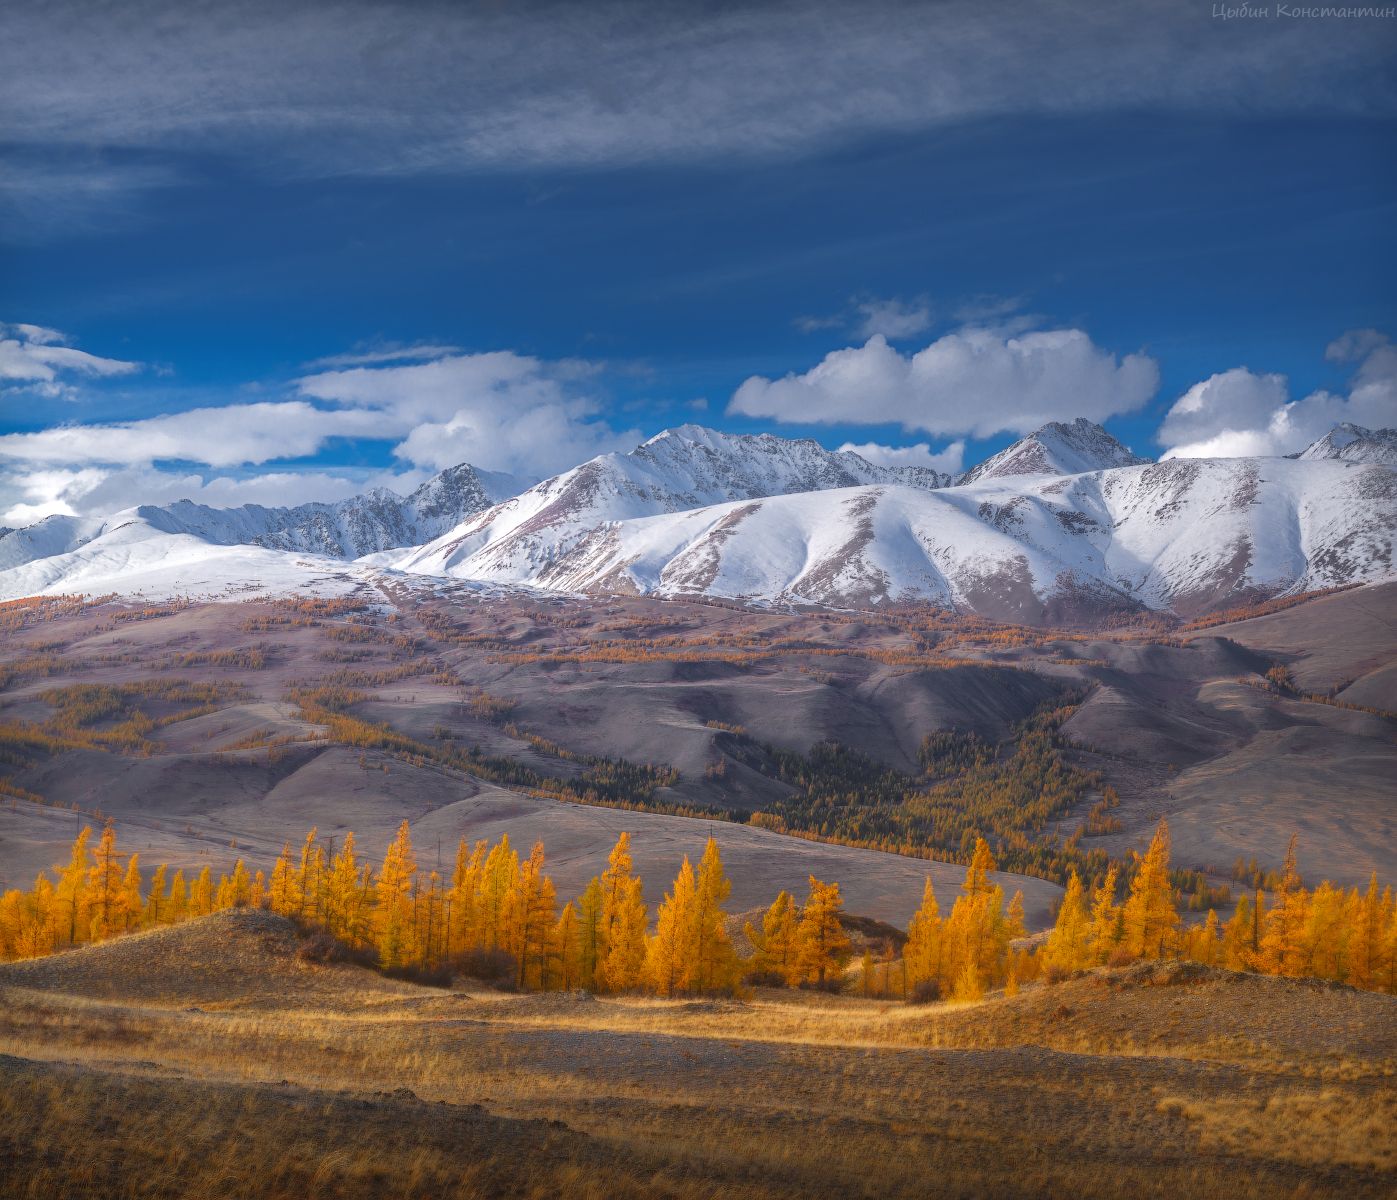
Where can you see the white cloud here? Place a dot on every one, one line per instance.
(228, 436)
(950, 460)
(28, 495)
(975, 382)
(34, 358)
(500, 410)
(1239, 412)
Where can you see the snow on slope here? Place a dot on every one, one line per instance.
(1353, 443)
(1058, 448)
(135, 556)
(374, 521)
(1185, 535)
(677, 470)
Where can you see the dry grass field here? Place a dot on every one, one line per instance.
(209, 1060)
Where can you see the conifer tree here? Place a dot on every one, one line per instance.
(1068, 948)
(156, 902)
(822, 947)
(201, 894)
(669, 955)
(131, 902)
(308, 877)
(1282, 950)
(284, 895)
(590, 936)
(177, 902)
(499, 877)
(714, 966)
(776, 941)
(1106, 928)
(71, 898)
(921, 956)
(104, 882)
(533, 906)
(567, 942)
(622, 922)
(393, 913)
(1150, 919)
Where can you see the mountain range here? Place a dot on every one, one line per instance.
(1066, 523)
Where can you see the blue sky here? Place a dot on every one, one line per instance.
(361, 241)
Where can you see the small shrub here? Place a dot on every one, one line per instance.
(772, 979)
(1120, 957)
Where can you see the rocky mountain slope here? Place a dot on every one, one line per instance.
(676, 471)
(1067, 522)
(1059, 448)
(1353, 443)
(1183, 535)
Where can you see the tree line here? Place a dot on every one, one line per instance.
(497, 916)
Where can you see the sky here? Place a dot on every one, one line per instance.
(257, 252)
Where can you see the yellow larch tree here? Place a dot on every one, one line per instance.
(1149, 918)
(1068, 948)
(567, 947)
(72, 894)
(393, 915)
(104, 882)
(1282, 950)
(283, 897)
(714, 966)
(921, 956)
(533, 909)
(822, 946)
(623, 920)
(776, 941)
(669, 954)
(1107, 926)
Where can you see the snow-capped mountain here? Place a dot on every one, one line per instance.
(764, 518)
(1182, 535)
(677, 470)
(1058, 448)
(1353, 443)
(376, 520)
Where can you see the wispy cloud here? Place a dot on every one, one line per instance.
(354, 86)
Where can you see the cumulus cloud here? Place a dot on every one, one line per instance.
(975, 382)
(34, 358)
(950, 461)
(1239, 412)
(499, 410)
(505, 411)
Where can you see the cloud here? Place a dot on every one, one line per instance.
(227, 436)
(28, 495)
(504, 411)
(390, 352)
(893, 319)
(950, 461)
(33, 358)
(357, 86)
(1239, 412)
(975, 382)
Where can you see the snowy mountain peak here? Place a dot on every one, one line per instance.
(1353, 443)
(1058, 448)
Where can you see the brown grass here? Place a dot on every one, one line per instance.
(292, 1085)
